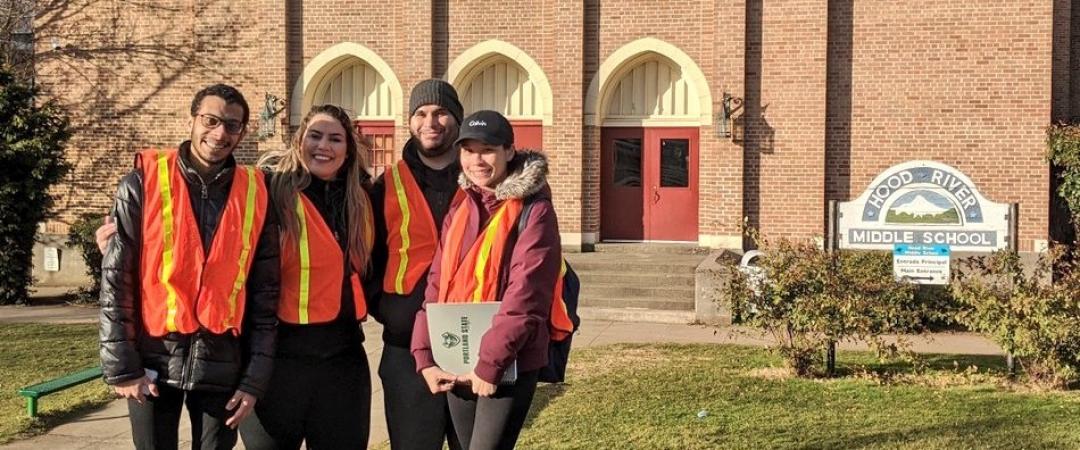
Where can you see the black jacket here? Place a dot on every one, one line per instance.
(201, 361)
(397, 313)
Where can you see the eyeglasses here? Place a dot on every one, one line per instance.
(211, 121)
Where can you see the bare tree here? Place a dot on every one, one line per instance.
(17, 36)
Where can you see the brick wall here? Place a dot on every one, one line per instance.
(836, 91)
(964, 83)
(785, 116)
(126, 74)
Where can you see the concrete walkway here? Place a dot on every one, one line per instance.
(107, 428)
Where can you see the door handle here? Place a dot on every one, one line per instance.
(656, 194)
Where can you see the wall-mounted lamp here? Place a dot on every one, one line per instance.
(729, 105)
(271, 108)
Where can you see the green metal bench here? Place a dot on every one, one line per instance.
(34, 392)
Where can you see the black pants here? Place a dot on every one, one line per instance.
(493, 422)
(325, 403)
(154, 423)
(416, 419)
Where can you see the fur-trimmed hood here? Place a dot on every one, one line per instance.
(526, 175)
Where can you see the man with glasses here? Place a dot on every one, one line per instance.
(190, 283)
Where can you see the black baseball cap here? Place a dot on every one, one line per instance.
(488, 127)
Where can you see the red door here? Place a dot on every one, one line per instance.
(380, 135)
(649, 184)
(528, 134)
(622, 203)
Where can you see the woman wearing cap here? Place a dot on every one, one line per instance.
(321, 387)
(481, 256)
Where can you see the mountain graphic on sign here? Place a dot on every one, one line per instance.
(923, 207)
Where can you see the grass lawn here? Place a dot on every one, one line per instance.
(712, 397)
(32, 353)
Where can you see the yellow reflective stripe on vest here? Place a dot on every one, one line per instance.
(485, 254)
(168, 263)
(305, 262)
(406, 217)
(249, 223)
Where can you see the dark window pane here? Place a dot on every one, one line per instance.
(627, 162)
(674, 163)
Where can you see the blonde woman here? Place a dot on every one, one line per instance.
(320, 391)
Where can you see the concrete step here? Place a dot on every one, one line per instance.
(659, 303)
(652, 264)
(602, 290)
(674, 280)
(639, 248)
(636, 315)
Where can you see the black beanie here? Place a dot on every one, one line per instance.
(436, 92)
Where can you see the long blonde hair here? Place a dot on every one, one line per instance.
(291, 176)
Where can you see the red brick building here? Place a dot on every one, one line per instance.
(626, 98)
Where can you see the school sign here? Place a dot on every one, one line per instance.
(923, 203)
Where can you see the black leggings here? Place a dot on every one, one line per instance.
(326, 403)
(493, 422)
(415, 419)
(155, 422)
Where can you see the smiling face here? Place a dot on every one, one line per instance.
(323, 147)
(435, 128)
(485, 164)
(215, 131)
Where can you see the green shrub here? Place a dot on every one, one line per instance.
(808, 298)
(1063, 151)
(32, 139)
(1034, 319)
(81, 236)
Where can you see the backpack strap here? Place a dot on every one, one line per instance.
(523, 220)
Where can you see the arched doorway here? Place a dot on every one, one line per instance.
(496, 75)
(650, 107)
(352, 77)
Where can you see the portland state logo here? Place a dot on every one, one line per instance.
(923, 203)
(450, 340)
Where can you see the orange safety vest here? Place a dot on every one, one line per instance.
(311, 287)
(183, 288)
(475, 278)
(411, 233)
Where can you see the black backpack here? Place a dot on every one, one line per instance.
(558, 351)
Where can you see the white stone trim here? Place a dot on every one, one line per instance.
(578, 239)
(612, 67)
(324, 63)
(729, 241)
(462, 66)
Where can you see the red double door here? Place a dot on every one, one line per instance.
(649, 184)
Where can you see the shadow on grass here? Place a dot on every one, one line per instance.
(991, 364)
(545, 394)
(954, 433)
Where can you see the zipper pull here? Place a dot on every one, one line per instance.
(204, 194)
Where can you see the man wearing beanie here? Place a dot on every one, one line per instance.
(410, 200)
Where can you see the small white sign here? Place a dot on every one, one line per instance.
(921, 264)
(52, 259)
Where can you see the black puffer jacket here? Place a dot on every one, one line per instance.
(397, 313)
(201, 361)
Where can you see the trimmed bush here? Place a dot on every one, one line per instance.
(1034, 319)
(808, 297)
(81, 236)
